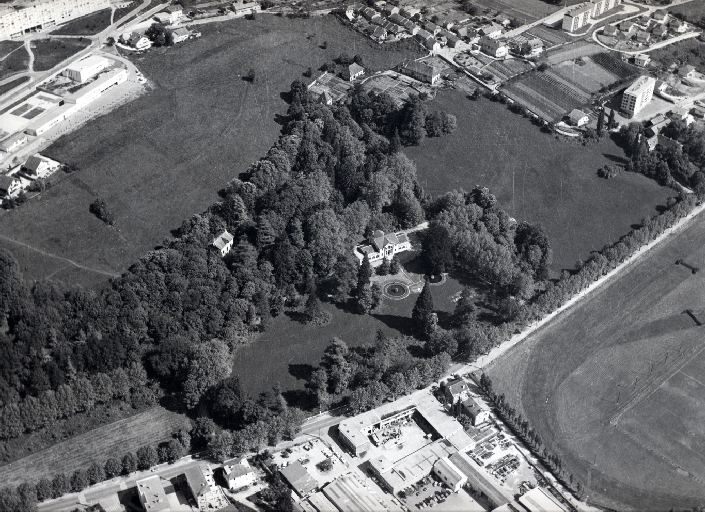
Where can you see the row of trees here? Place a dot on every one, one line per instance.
(24, 498)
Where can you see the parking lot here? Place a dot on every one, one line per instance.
(430, 493)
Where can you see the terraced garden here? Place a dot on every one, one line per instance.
(547, 94)
(615, 65)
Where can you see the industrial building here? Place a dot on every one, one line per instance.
(299, 478)
(20, 18)
(348, 495)
(538, 500)
(479, 479)
(638, 95)
(449, 474)
(86, 68)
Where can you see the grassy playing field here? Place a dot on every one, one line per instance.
(50, 52)
(87, 25)
(614, 386)
(536, 177)
(13, 58)
(162, 158)
(114, 440)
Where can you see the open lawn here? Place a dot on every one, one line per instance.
(285, 351)
(586, 74)
(50, 52)
(163, 157)
(536, 177)
(614, 386)
(114, 440)
(13, 58)
(87, 25)
(12, 84)
(525, 11)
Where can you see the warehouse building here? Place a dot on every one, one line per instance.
(348, 495)
(86, 68)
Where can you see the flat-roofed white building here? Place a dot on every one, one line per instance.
(638, 95)
(86, 68)
(538, 500)
(449, 474)
(152, 495)
(18, 18)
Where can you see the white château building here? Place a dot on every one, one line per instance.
(381, 246)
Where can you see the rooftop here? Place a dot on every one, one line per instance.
(299, 478)
(537, 500)
(641, 84)
(348, 495)
(152, 494)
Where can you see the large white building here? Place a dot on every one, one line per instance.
(86, 68)
(579, 16)
(381, 246)
(638, 95)
(21, 17)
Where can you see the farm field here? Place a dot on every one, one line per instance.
(13, 58)
(614, 386)
(615, 65)
(86, 25)
(588, 75)
(163, 157)
(547, 94)
(50, 52)
(114, 440)
(573, 51)
(536, 177)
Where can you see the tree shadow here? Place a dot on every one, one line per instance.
(301, 371)
(297, 317)
(300, 398)
(399, 323)
(281, 120)
(616, 158)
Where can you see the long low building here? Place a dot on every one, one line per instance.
(348, 495)
(480, 480)
(16, 20)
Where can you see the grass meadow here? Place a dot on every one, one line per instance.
(87, 25)
(536, 177)
(114, 440)
(163, 157)
(13, 58)
(619, 397)
(50, 52)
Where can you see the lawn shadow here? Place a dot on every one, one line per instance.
(301, 371)
(398, 323)
(297, 317)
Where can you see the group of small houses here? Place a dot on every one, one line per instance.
(173, 14)
(646, 30)
(199, 482)
(389, 22)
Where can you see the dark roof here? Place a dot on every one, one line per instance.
(457, 386)
(196, 481)
(299, 478)
(6, 182)
(33, 163)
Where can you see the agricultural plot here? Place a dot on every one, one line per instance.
(547, 94)
(539, 105)
(614, 387)
(505, 70)
(588, 75)
(572, 52)
(114, 440)
(615, 65)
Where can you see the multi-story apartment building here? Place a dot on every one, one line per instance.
(578, 16)
(19, 18)
(638, 95)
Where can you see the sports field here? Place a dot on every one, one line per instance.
(163, 157)
(114, 440)
(536, 177)
(615, 386)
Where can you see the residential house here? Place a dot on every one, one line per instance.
(299, 479)
(223, 242)
(238, 473)
(578, 117)
(180, 35)
(10, 186)
(163, 17)
(375, 32)
(37, 167)
(397, 18)
(661, 16)
(642, 60)
(532, 47)
(139, 41)
(461, 31)
(446, 23)
(493, 47)
(432, 28)
(381, 246)
(389, 10)
(476, 410)
(420, 70)
(687, 71)
(370, 14)
(659, 31)
(627, 27)
(422, 36)
(197, 482)
(677, 26)
(643, 37)
(698, 112)
(451, 39)
(456, 390)
(492, 30)
(610, 30)
(353, 71)
(660, 86)
(411, 27)
(175, 12)
(681, 114)
(661, 140)
(325, 98)
(246, 8)
(409, 12)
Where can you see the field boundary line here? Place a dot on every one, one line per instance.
(503, 348)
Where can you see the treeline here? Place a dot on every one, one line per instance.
(25, 497)
(530, 438)
(368, 375)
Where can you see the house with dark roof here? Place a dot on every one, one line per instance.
(38, 167)
(627, 27)
(10, 186)
(677, 26)
(476, 410)
(196, 481)
(411, 27)
(299, 479)
(659, 31)
(456, 390)
(643, 37)
(686, 71)
(420, 70)
(353, 71)
(660, 15)
(493, 47)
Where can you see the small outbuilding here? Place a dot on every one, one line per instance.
(223, 242)
(578, 117)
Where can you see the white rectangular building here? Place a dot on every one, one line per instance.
(16, 20)
(86, 68)
(638, 95)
